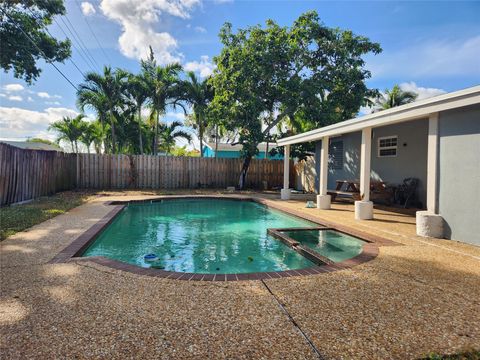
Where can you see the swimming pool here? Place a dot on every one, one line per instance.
(204, 236)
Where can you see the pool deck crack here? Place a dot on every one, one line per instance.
(295, 324)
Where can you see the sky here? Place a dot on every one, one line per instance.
(429, 47)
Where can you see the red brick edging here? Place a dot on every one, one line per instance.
(76, 248)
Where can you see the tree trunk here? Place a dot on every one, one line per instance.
(200, 130)
(140, 141)
(155, 141)
(266, 151)
(216, 140)
(112, 131)
(243, 173)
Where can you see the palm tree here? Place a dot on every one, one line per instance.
(169, 133)
(163, 84)
(99, 132)
(88, 134)
(104, 94)
(198, 94)
(137, 91)
(69, 129)
(393, 98)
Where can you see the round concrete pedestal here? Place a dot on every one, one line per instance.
(285, 194)
(363, 210)
(324, 201)
(429, 224)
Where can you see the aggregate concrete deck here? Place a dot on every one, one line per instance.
(420, 297)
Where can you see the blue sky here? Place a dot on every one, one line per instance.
(430, 47)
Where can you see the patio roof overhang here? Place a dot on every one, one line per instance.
(429, 223)
(416, 110)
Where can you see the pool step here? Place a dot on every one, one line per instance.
(305, 251)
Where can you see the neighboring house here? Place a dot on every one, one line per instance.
(436, 140)
(233, 151)
(27, 145)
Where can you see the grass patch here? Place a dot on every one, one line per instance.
(20, 217)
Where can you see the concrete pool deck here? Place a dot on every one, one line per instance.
(410, 300)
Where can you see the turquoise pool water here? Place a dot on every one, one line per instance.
(332, 244)
(201, 236)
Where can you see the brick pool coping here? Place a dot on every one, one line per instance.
(73, 251)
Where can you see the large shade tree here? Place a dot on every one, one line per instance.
(307, 70)
(24, 37)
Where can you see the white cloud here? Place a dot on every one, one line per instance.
(138, 19)
(88, 8)
(203, 67)
(13, 87)
(30, 99)
(15, 98)
(434, 58)
(52, 102)
(423, 93)
(200, 29)
(45, 95)
(21, 123)
(3, 95)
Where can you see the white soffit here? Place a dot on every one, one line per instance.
(416, 110)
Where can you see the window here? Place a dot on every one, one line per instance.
(336, 155)
(387, 146)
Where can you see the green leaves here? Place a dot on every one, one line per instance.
(24, 37)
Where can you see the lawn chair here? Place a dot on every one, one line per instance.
(406, 193)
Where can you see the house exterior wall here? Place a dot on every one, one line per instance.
(459, 173)
(410, 161)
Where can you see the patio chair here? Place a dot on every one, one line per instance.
(406, 193)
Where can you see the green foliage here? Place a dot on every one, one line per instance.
(104, 93)
(308, 73)
(393, 98)
(198, 94)
(43, 141)
(21, 21)
(70, 130)
(20, 217)
(183, 151)
(169, 133)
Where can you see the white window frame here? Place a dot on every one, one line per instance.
(387, 147)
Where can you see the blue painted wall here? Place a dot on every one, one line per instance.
(207, 152)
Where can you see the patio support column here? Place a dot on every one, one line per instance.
(430, 223)
(364, 207)
(323, 199)
(285, 192)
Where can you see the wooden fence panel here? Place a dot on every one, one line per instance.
(28, 174)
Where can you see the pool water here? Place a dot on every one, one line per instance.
(332, 244)
(201, 236)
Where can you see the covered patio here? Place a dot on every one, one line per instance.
(420, 115)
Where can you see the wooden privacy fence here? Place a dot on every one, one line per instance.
(97, 171)
(28, 174)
